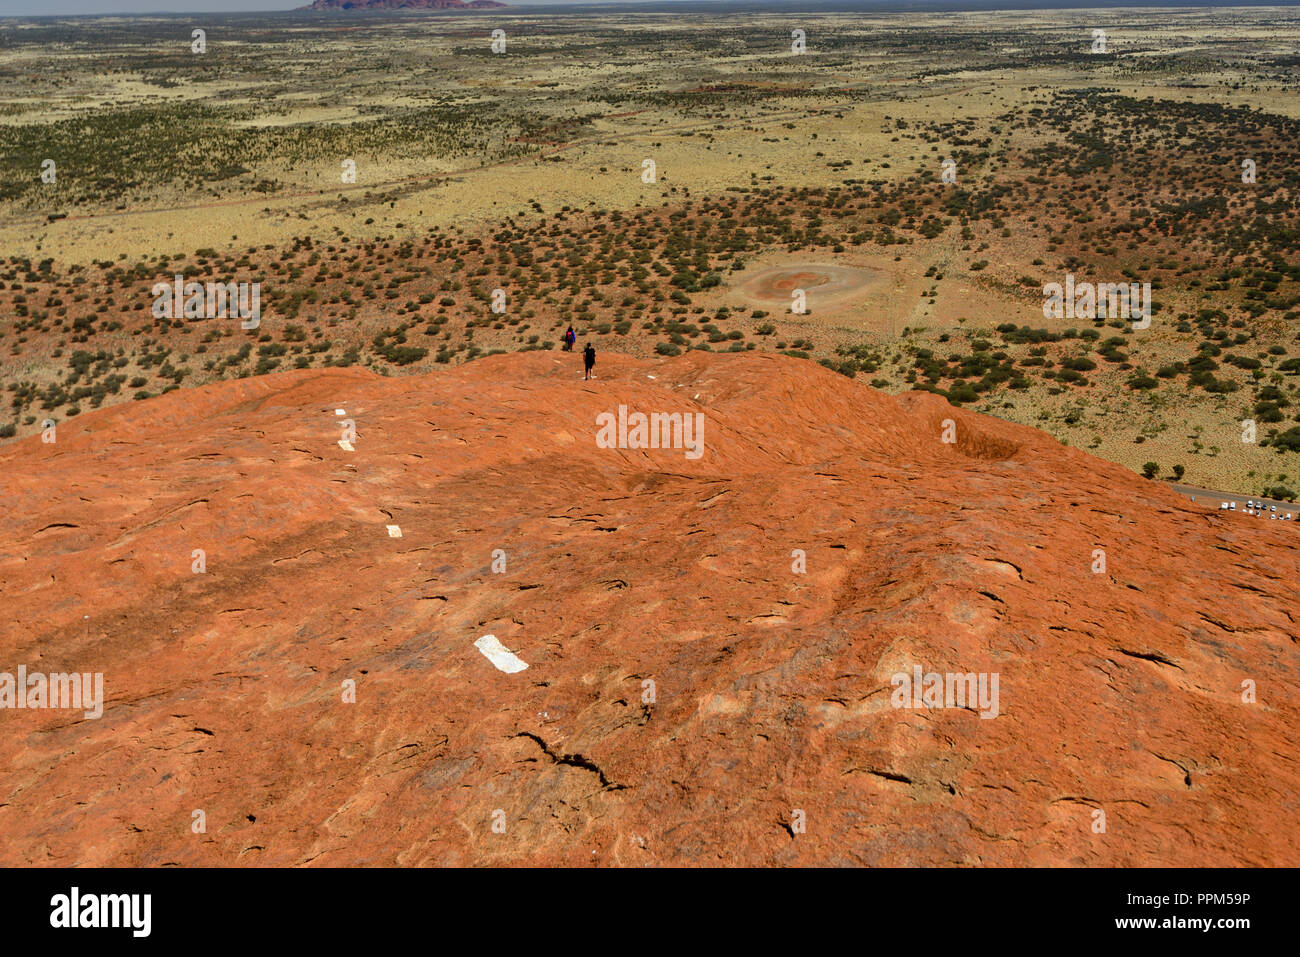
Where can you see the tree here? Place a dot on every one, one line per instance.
(1288, 441)
(1178, 472)
(1150, 469)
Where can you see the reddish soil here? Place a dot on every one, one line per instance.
(823, 283)
(769, 738)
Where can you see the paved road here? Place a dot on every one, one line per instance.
(1212, 499)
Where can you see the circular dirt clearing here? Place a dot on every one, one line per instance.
(822, 283)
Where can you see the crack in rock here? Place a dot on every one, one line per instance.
(573, 761)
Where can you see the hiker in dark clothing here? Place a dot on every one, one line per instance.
(589, 359)
(570, 338)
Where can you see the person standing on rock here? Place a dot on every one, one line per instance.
(589, 360)
(570, 338)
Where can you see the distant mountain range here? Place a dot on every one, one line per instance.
(404, 5)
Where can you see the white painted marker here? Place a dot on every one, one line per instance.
(339, 412)
(502, 657)
(346, 446)
(394, 531)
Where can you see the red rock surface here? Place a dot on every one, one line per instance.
(1118, 691)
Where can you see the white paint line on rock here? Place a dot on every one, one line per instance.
(346, 446)
(501, 657)
(394, 531)
(339, 412)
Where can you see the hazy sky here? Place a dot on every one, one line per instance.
(36, 8)
(39, 8)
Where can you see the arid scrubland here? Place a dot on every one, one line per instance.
(888, 195)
